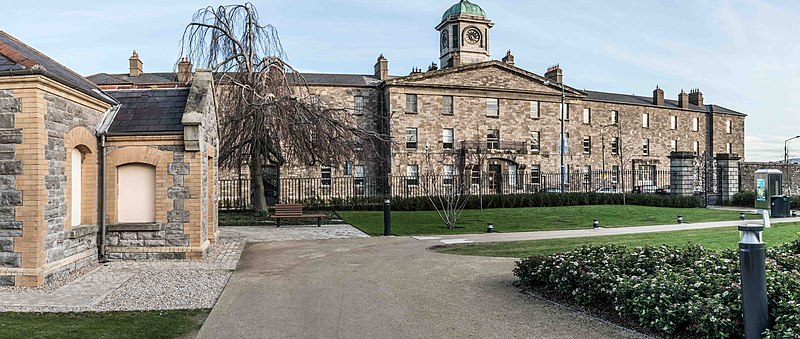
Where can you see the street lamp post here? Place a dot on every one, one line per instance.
(786, 159)
(562, 144)
(786, 149)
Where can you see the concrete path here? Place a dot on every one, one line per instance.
(384, 288)
(541, 235)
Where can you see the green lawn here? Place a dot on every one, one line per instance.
(711, 238)
(152, 324)
(532, 219)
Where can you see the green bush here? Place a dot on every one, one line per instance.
(509, 201)
(675, 291)
(748, 199)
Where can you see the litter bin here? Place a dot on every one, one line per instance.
(780, 206)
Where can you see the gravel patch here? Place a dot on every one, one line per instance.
(167, 290)
(53, 285)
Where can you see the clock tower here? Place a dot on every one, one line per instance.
(463, 35)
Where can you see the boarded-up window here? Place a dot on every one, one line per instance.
(136, 196)
(76, 182)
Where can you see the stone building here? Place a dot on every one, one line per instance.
(71, 154)
(470, 103)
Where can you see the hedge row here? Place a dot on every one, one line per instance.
(509, 201)
(675, 291)
(748, 199)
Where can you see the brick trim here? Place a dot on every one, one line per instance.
(143, 155)
(86, 142)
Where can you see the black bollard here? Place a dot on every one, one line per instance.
(752, 254)
(596, 223)
(387, 217)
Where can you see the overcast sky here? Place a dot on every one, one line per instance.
(742, 54)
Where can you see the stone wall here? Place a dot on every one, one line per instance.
(10, 197)
(60, 242)
(166, 238)
(791, 176)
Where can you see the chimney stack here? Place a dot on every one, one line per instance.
(696, 97)
(683, 100)
(554, 74)
(509, 58)
(658, 96)
(184, 70)
(382, 68)
(136, 65)
(433, 67)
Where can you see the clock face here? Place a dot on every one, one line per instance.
(472, 36)
(445, 40)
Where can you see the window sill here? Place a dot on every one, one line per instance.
(81, 231)
(134, 227)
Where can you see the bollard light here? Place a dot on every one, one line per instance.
(680, 219)
(794, 214)
(489, 228)
(752, 260)
(596, 223)
(387, 217)
(741, 216)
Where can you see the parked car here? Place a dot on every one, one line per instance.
(666, 190)
(607, 190)
(551, 190)
(645, 189)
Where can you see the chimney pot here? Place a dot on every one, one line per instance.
(555, 74)
(382, 68)
(509, 58)
(683, 100)
(135, 65)
(696, 97)
(658, 97)
(184, 70)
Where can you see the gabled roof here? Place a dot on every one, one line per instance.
(492, 63)
(18, 58)
(648, 101)
(149, 111)
(126, 79)
(106, 79)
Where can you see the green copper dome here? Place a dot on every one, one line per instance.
(463, 7)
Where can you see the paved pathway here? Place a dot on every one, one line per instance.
(292, 232)
(540, 235)
(384, 287)
(163, 284)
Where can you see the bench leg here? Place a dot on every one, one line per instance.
(318, 222)
(278, 222)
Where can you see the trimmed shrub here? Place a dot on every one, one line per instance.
(675, 291)
(508, 201)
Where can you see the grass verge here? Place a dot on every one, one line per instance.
(150, 324)
(532, 219)
(710, 238)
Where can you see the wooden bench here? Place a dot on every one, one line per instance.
(283, 211)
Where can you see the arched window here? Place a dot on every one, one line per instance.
(77, 184)
(136, 194)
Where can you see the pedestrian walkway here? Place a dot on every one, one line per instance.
(384, 287)
(541, 235)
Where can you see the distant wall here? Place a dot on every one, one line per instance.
(791, 175)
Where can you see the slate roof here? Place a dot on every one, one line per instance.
(18, 57)
(648, 101)
(167, 78)
(149, 111)
(126, 79)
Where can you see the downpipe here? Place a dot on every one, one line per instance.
(103, 176)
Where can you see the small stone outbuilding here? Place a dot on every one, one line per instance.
(76, 163)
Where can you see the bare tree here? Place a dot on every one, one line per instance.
(445, 189)
(268, 115)
(625, 154)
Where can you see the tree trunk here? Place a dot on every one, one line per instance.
(259, 198)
